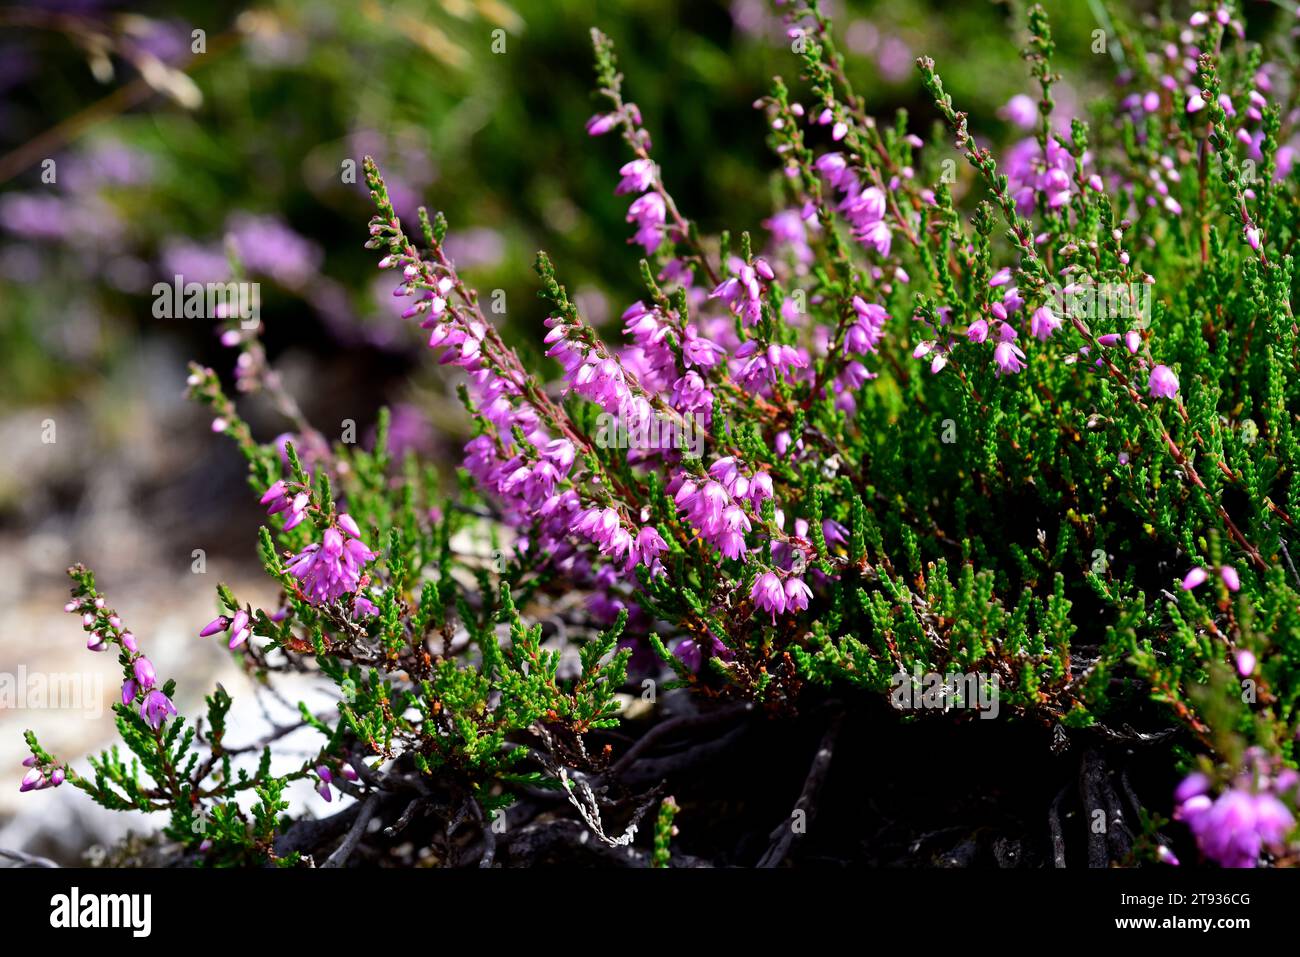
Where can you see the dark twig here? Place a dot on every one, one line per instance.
(652, 771)
(489, 835)
(527, 844)
(308, 833)
(398, 826)
(344, 851)
(26, 860)
(672, 726)
(1054, 824)
(784, 835)
(1092, 775)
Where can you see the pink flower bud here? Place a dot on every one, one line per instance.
(599, 125)
(144, 673)
(220, 623)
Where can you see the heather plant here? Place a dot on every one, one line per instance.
(978, 434)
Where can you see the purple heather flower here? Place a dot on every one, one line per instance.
(333, 568)
(689, 653)
(33, 780)
(692, 652)
(834, 167)
(1194, 578)
(1008, 357)
(1043, 323)
(768, 594)
(978, 331)
(598, 525)
(1245, 662)
(144, 673)
(1230, 577)
(275, 494)
(649, 546)
(698, 351)
(1030, 173)
(323, 785)
(278, 498)
(1021, 110)
(649, 214)
(1234, 829)
(156, 708)
(129, 690)
(1163, 384)
(1193, 785)
(129, 642)
(638, 176)
(601, 123)
(57, 777)
(797, 594)
(240, 631)
(742, 294)
(834, 533)
(863, 209)
(363, 607)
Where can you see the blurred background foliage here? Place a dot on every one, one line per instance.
(155, 164)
